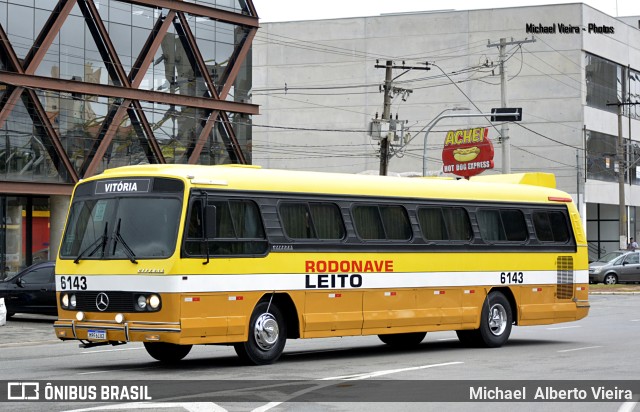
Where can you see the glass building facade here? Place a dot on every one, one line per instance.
(87, 85)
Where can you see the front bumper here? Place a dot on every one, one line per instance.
(128, 331)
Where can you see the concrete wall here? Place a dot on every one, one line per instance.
(546, 79)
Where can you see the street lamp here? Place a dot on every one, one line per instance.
(429, 126)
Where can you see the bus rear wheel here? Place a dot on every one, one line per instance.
(496, 321)
(403, 339)
(167, 352)
(267, 336)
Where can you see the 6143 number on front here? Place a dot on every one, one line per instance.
(73, 282)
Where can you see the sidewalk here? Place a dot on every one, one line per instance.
(26, 330)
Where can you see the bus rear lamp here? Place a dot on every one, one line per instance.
(80, 316)
(154, 301)
(119, 318)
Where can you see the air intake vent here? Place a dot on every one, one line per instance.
(565, 277)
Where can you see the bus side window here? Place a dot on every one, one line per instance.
(502, 225)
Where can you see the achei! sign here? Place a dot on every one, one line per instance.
(467, 152)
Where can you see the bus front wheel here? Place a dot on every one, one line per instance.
(403, 339)
(267, 336)
(167, 352)
(496, 321)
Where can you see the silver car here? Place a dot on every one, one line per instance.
(625, 268)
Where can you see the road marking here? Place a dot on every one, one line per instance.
(386, 372)
(635, 320)
(629, 406)
(573, 350)
(360, 376)
(188, 406)
(113, 370)
(565, 327)
(108, 350)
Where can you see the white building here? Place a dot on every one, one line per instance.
(318, 89)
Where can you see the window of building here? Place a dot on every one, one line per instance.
(604, 83)
(502, 225)
(311, 220)
(551, 226)
(602, 163)
(634, 95)
(444, 223)
(381, 222)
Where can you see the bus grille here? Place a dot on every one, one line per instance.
(117, 301)
(565, 277)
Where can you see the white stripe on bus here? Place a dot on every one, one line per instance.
(260, 282)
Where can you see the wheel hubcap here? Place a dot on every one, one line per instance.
(497, 319)
(266, 331)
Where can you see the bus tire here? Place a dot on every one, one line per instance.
(469, 338)
(167, 352)
(267, 336)
(496, 321)
(403, 339)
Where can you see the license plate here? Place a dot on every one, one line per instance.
(97, 334)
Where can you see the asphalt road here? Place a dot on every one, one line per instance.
(602, 348)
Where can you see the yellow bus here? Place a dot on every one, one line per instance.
(177, 255)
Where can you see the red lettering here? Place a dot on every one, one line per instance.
(388, 266)
(309, 266)
(333, 266)
(345, 266)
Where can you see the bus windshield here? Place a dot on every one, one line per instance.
(121, 228)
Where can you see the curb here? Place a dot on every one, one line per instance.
(614, 293)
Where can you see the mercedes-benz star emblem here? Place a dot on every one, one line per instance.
(102, 301)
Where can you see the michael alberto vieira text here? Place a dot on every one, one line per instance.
(549, 393)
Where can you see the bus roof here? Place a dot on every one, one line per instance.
(530, 187)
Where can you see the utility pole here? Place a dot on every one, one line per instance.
(504, 132)
(388, 90)
(386, 115)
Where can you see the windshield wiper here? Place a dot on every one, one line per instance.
(100, 242)
(127, 250)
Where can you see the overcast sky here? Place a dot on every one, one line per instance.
(287, 10)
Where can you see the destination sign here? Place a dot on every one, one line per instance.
(104, 187)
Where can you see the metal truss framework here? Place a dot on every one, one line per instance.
(21, 78)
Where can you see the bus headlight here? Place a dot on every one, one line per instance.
(147, 303)
(65, 301)
(119, 318)
(142, 302)
(154, 301)
(72, 301)
(80, 316)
